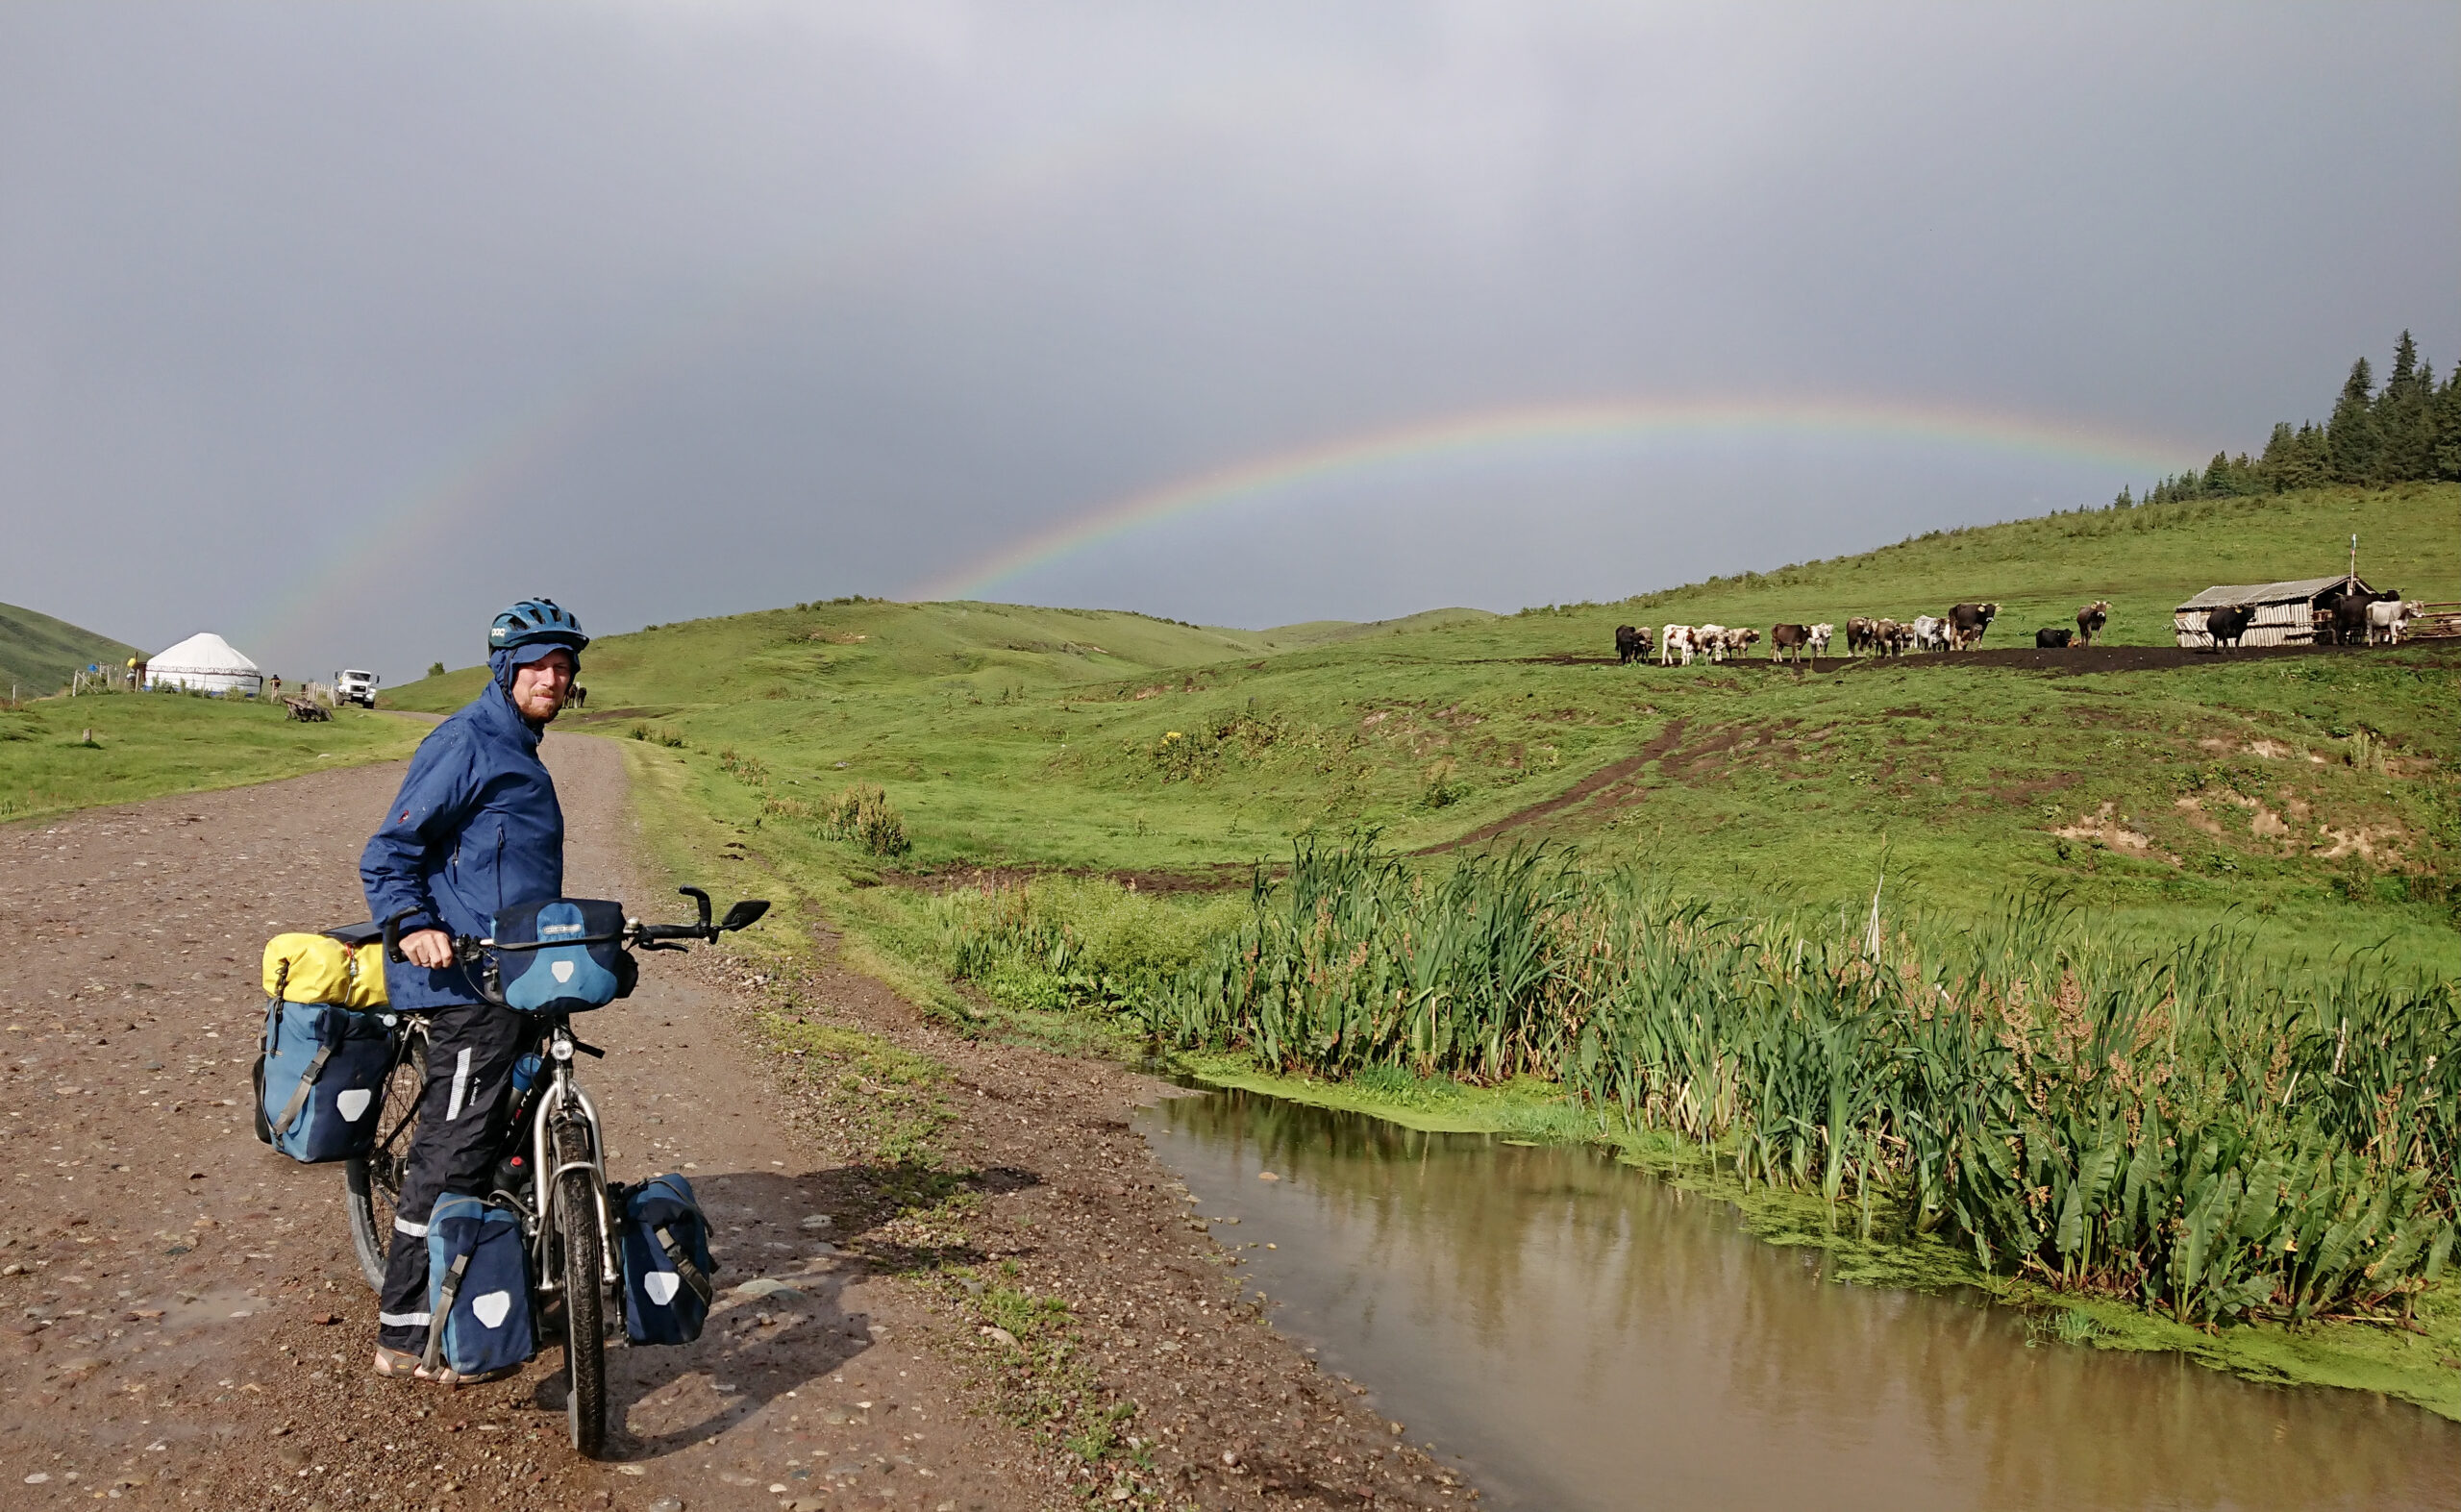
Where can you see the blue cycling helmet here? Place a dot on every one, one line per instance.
(535, 622)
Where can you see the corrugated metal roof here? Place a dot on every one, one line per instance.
(2223, 595)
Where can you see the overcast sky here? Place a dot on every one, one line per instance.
(333, 328)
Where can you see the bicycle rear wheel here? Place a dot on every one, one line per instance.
(585, 1317)
(374, 1179)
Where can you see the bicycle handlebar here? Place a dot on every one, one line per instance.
(468, 950)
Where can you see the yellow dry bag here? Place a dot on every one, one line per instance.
(318, 967)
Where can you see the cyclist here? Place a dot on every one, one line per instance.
(475, 828)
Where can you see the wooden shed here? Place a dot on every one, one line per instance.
(2286, 611)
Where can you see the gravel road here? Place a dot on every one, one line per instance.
(185, 1323)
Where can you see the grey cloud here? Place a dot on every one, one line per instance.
(333, 328)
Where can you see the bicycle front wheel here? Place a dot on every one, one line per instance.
(374, 1179)
(585, 1330)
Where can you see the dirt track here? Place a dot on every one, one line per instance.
(185, 1323)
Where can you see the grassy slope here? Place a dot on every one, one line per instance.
(39, 651)
(1043, 737)
(150, 744)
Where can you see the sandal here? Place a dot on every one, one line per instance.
(399, 1365)
(403, 1365)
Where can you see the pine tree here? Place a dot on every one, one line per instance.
(2352, 438)
(2405, 416)
(2448, 425)
(2126, 499)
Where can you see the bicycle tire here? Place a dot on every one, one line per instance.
(585, 1319)
(373, 1181)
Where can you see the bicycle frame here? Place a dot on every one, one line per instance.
(564, 1099)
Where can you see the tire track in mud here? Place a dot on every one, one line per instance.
(1667, 739)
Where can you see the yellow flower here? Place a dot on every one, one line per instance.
(1172, 736)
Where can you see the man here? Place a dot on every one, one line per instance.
(475, 829)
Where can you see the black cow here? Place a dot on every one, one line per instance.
(2052, 639)
(2350, 614)
(576, 696)
(1788, 641)
(2226, 625)
(1632, 644)
(1968, 620)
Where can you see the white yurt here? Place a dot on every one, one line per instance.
(203, 663)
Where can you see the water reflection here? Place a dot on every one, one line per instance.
(1590, 1338)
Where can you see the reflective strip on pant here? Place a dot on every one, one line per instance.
(402, 1225)
(461, 1084)
(405, 1320)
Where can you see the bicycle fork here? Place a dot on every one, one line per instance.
(565, 1100)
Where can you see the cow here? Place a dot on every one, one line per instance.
(2052, 639)
(2091, 619)
(1889, 639)
(1632, 644)
(1901, 639)
(1820, 635)
(2388, 618)
(2226, 625)
(1786, 642)
(1930, 633)
(2354, 616)
(1673, 641)
(576, 696)
(1861, 634)
(1968, 620)
(1711, 639)
(1740, 641)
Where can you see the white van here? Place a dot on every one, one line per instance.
(356, 687)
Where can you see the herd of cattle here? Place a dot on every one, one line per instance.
(2341, 618)
(1961, 628)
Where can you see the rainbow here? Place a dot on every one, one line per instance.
(1545, 426)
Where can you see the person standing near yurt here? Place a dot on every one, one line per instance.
(475, 828)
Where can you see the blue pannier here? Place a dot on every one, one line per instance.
(320, 1084)
(478, 1288)
(665, 1250)
(562, 955)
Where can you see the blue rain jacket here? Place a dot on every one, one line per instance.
(475, 828)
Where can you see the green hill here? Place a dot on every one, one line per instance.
(37, 653)
(2313, 793)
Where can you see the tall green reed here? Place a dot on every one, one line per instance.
(2180, 1127)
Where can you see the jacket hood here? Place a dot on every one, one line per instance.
(505, 661)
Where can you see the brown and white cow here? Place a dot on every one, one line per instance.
(2091, 619)
(1862, 634)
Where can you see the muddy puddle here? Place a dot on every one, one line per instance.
(1586, 1337)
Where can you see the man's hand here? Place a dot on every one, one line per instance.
(432, 949)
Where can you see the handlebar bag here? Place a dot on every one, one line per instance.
(478, 1288)
(665, 1250)
(320, 1080)
(542, 975)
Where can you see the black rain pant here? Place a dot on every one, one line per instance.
(463, 1111)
